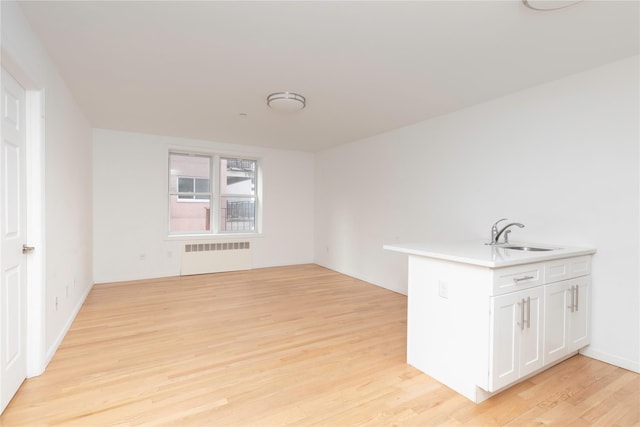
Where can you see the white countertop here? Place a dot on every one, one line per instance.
(477, 253)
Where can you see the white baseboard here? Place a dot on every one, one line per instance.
(54, 347)
(363, 278)
(611, 359)
(160, 275)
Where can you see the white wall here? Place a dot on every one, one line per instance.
(68, 202)
(562, 158)
(130, 205)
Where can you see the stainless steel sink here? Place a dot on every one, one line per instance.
(528, 248)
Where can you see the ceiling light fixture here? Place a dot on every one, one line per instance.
(286, 101)
(549, 4)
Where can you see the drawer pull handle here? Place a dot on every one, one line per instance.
(520, 279)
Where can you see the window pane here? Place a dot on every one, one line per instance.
(190, 216)
(189, 174)
(238, 176)
(185, 185)
(188, 166)
(201, 185)
(237, 214)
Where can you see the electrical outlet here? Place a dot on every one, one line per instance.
(443, 289)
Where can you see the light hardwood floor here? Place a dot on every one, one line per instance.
(298, 345)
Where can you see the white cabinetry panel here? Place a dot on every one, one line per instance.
(479, 329)
(516, 336)
(580, 334)
(566, 318)
(556, 341)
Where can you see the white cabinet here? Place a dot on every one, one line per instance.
(516, 336)
(535, 327)
(480, 329)
(566, 320)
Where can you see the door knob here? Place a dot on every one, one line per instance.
(27, 249)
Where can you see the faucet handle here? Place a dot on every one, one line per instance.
(495, 224)
(494, 232)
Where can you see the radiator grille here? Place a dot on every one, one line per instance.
(215, 257)
(226, 246)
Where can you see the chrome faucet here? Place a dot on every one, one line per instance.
(495, 234)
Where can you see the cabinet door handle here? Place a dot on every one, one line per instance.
(521, 304)
(528, 312)
(520, 279)
(572, 306)
(577, 299)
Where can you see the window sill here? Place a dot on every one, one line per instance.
(210, 237)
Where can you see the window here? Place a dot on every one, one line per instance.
(189, 178)
(237, 195)
(188, 184)
(211, 194)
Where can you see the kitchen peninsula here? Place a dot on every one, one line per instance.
(484, 317)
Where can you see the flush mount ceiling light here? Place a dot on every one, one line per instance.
(549, 4)
(286, 101)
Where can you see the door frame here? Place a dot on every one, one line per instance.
(35, 171)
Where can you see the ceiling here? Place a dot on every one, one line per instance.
(203, 69)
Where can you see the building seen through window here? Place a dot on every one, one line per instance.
(201, 203)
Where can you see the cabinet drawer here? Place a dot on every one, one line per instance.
(568, 268)
(510, 279)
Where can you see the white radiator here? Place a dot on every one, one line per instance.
(215, 257)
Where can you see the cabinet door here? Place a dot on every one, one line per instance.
(579, 323)
(516, 336)
(506, 316)
(557, 297)
(566, 325)
(531, 332)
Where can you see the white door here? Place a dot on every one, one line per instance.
(13, 280)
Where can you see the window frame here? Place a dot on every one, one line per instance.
(215, 175)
